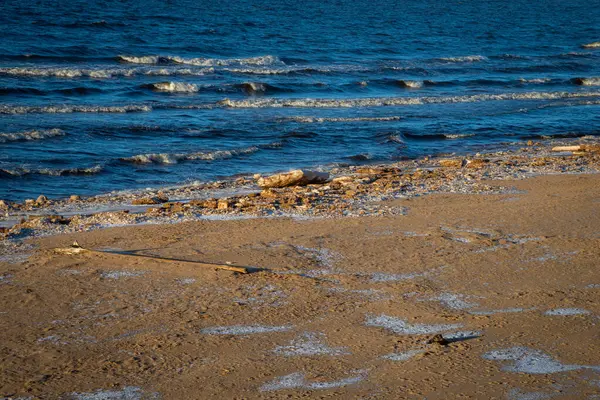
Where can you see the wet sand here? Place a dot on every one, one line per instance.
(346, 308)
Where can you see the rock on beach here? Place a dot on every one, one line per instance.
(296, 177)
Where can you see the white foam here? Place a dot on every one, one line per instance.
(20, 171)
(102, 73)
(529, 361)
(244, 329)
(298, 380)
(567, 311)
(589, 81)
(401, 327)
(64, 109)
(310, 344)
(30, 135)
(175, 87)
(140, 59)
(593, 45)
(167, 158)
(203, 62)
(535, 80)
(411, 84)
(399, 101)
(462, 59)
(309, 120)
(403, 356)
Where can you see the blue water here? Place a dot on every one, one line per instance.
(97, 96)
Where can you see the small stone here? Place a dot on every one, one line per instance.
(150, 200)
(210, 203)
(74, 197)
(41, 199)
(268, 193)
(530, 143)
(476, 163)
(3, 204)
(452, 162)
(223, 204)
(256, 176)
(29, 202)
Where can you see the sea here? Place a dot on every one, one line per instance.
(98, 96)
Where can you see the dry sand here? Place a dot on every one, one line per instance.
(348, 308)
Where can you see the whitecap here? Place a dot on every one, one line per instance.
(30, 135)
(175, 87)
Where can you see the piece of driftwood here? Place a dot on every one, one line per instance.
(75, 248)
(566, 148)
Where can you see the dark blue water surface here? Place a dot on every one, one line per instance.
(98, 96)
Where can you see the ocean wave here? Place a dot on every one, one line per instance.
(398, 101)
(102, 73)
(535, 80)
(65, 109)
(79, 91)
(411, 84)
(30, 135)
(587, 81)
(475, 58)
(174, 87)
(18, 172)
(437, 136)
(173, 158)
(593, 45)
(253, 87)
(310, 120)
(202, 62)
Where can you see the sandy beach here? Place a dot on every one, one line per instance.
(489, 294)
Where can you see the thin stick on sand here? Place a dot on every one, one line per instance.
(75, 248)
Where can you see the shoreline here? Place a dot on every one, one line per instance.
(351, 191)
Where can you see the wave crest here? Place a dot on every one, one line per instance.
(475, 58)
(202, 62)
(102, 73)
(174, 87)
(399, 101)
(18, 172)
(587, 81)
(30, 135)
(170, 158)
(593, 45)
(66, 109)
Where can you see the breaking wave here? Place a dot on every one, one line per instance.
(587, 81)
(65, 109)
(411, 84)
(475, 58)
(436, 136)
(174, 87)
(30, 135)
(593, 45)
(310, 120)
(101, 73)
(399, 101)
(173, 158)
(18, 172)
(202, 62)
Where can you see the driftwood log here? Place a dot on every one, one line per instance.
(75, 248)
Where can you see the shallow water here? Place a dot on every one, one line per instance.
(101, 96)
